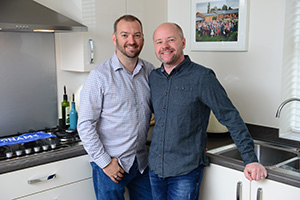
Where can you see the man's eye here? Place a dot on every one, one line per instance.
(123, 35)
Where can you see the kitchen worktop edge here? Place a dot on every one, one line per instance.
(41, 158)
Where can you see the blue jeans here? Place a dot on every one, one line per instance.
(184, 187)
(138, 184)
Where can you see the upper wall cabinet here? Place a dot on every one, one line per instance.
(83, 51)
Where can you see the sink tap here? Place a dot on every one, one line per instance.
(283, 103)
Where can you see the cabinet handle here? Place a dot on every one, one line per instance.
(92, 50)
(239, 190)
(45, 178)
(259, 194)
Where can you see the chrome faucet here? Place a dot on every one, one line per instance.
(283, 103)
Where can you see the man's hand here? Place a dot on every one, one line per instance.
(114, 171)
(255, 171)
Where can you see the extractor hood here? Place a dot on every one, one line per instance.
(30, 16)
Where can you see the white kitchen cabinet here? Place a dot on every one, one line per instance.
(271, 190)
(73, 49)
(81, 190)
(222, 183)
(57, 178)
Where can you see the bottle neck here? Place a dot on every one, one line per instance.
(65, 97)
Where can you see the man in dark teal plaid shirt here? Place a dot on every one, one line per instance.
(183, 94)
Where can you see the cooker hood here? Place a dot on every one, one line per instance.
(30, 16)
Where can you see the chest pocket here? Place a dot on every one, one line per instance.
(182, 95)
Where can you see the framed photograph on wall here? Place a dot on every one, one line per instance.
(219, 25)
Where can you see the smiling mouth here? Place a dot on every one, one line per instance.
(167, 51)
(131, 47)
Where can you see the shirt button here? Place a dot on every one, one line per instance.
(164, 109)
(161, 140)
(162, 124)
(159, 155)
(166, 93)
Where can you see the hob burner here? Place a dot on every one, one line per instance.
(67, 136)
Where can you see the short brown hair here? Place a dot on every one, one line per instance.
(128, 18)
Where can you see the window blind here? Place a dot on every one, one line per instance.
(290, 118)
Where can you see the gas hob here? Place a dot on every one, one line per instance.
(58, 140)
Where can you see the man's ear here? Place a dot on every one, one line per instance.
(183, 43)
(114, 38)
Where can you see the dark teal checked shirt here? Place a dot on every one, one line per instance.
(182, 102)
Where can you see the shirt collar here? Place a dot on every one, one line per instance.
(117, 65)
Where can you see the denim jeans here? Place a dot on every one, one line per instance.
(138, 184)
(184, 187)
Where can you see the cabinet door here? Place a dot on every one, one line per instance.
(223, 183)
(271, 190)
(73, 49)
(76, 191)
(32, 180)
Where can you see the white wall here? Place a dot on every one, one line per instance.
(252, 79)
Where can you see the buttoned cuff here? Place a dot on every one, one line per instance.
(103, 161)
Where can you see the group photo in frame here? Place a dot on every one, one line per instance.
(219, 25)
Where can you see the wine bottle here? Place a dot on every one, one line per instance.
(65, 108)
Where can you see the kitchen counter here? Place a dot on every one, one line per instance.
(41, 158)
(258, 133)
(213, 141)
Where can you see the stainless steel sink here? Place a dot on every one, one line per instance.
(293, 165)
(270, 155)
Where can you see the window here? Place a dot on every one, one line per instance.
(290, 115)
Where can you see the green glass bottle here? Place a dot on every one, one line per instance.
(65, 109)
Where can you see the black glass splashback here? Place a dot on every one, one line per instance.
(28, 88)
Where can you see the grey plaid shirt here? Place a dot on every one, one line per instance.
(115, 113)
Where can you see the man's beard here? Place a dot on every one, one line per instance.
(170, 61)
(123, 51)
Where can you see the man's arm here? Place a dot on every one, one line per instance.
(88, 118)
(216, 98)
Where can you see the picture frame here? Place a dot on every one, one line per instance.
(219, 25)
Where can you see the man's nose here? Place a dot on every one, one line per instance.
(165, 44)
(131, 39)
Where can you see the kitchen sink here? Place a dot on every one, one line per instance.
(270, 155)
(292, 165)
